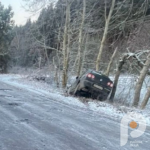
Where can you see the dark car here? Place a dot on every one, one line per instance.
(92, 84)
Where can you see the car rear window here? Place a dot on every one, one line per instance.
(100, 77)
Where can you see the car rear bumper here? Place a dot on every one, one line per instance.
(94, 88)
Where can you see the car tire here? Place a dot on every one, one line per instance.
(101, 98)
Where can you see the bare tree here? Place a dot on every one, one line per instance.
(80, 39)
(119, 68)
(57, 67)
(134, 57)
(146, 98)
(84, 53)
(66, 48)
(104, 35)
(110, 62)
(140, 82)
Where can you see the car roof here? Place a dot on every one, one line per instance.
(97, 72)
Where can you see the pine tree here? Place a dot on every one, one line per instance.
(6, 25)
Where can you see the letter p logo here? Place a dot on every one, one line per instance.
(136, 121)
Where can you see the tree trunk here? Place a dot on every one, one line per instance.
(84, 53)
(68, 47)
(110, 63)
(140, 82)
(80, 39)
(56, 73)
(64, 73)
(146, 98)
(120, 65)
(58, 58)
(39, 61)
(104, 35)
(57, 65)
(46, 54)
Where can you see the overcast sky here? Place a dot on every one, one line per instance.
(20, 15)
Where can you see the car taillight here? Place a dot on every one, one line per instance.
(90, 76)
(110, 84)
(93, 76)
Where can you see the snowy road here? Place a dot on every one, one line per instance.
(32, 121)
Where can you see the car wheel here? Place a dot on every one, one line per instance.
(101, 97)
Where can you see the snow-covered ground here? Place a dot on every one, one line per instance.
(124, 95)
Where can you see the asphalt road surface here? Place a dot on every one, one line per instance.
(31, 121)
